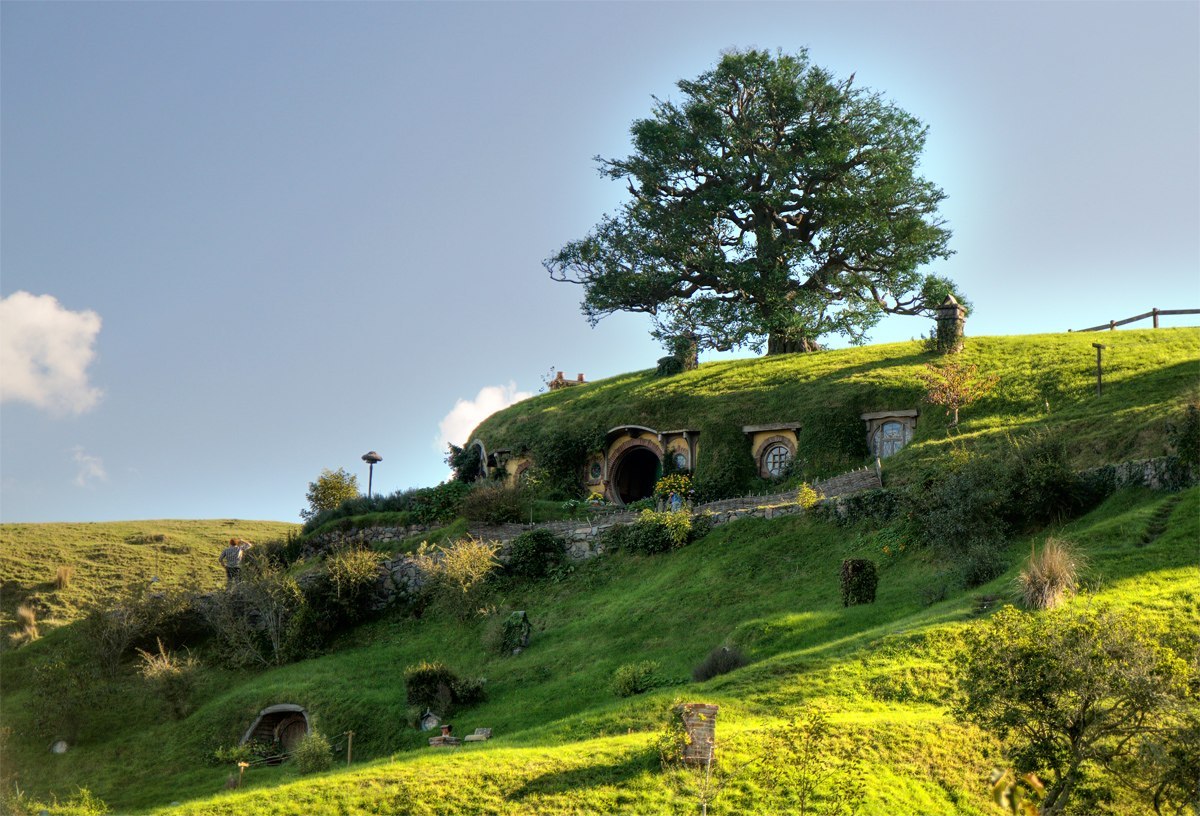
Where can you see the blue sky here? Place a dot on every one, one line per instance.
(240, 243)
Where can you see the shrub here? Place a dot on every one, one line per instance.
(435, 687)
(535, 554)
(807, 497)
(678, 524)
(27, 621)
(313, 754)
(979, 562)
(720, 660)
(636, 678)
(678, 483)
(668, 366)
(1049, 576)
(702, 524)
(455, 575)
(649, 535)
(255, 620)
(466, 463)
(172, 678)
(495, 504)
(63, 576)
(1042, 485)
(859, 580)
(353, 574)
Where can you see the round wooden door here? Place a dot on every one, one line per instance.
(290, 732)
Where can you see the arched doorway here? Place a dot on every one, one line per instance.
(635, 473)
(283, 725)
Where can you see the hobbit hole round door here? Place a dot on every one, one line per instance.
(290, 732)
(635, 474)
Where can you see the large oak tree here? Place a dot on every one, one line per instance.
(773, 201)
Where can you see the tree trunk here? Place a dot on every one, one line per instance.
(788, 343)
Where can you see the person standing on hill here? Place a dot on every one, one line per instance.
(231, 559)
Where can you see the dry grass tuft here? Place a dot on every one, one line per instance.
(62, 577)
(1049, 576)
(27, 621)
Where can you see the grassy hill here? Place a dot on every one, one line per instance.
(564, 742)
(1045, 381)
(104, 558)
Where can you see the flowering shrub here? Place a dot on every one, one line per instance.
(678, 523)
(679, 483)
(807, 497)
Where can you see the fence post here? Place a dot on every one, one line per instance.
(1154, 312)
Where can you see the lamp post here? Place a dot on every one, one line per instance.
(371, 457)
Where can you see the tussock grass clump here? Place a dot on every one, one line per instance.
(28, 628)
(63, 576)
(1049, 576)
(172, 677)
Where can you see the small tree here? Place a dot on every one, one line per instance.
(955, 385)
(330, 489)
(1070, 692)
(816, 775)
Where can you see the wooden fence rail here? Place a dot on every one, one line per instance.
(1154, 313)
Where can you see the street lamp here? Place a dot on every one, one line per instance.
(371, 457)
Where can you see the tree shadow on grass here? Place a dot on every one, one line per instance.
(587, 776)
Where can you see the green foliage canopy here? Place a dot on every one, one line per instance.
(330, 489)
(774, 201)
(1071, 691)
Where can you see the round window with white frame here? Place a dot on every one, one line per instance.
(681, 461)
(776, 459)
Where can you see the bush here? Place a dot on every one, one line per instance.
(434, 687)
(1049, 576)
(859, 580)
(1042, 486)
(668, 366)
(172, 678)
(702, 525)
(678, 483)
(648, 535)
(456, 575)
(495, 504)
(979, 562)
(807, 497)
(678, 524)
(636, 678)
(257, 620)
(535, 554)
(314, 753)
(720, 660)
(353, 575)
(330, 490)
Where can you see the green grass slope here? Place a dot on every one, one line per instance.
(1045, 381)
(564, 743)
(107, 557)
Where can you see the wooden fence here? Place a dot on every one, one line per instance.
(1154, 313)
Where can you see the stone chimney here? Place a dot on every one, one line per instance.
(951, 318)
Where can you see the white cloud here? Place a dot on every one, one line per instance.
(44, 354)
(466, 414)
(90, 468)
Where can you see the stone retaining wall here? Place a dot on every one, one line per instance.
(400, 579)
